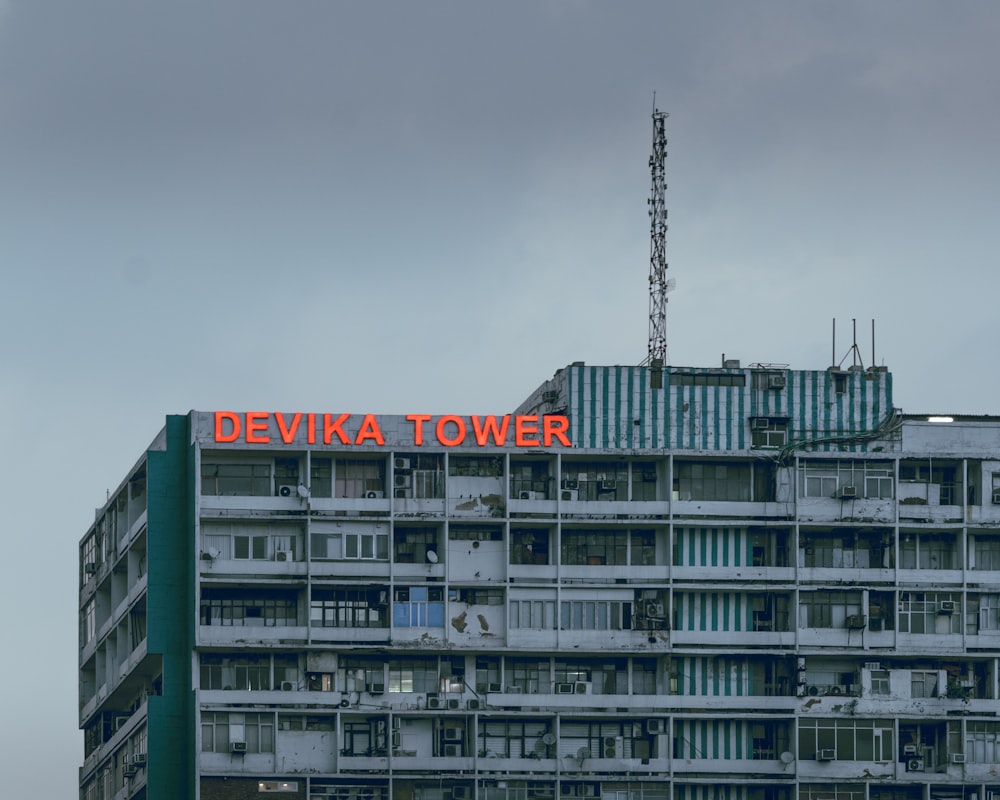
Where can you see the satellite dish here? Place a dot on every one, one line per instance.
(786, 758)
(303, 491)
(432, 557)
(583, 753)
(214, 553)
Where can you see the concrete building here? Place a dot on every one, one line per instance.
(695, 584)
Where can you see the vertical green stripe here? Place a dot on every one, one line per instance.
(741, 420)
(704, 418)
(618, 407)
(725, 612)
(605, 413)
(715, 547)
(703, 547)
(715, 611)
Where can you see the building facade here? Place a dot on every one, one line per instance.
(689, 584)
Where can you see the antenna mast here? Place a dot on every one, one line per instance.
(659, 286)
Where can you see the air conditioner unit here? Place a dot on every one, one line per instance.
(374, 494)
(847, 492)
(655, 610)
(873, 665)
(775, 381)
(958, 758)
(760, 424)
(528, 495)
(402, 481)
(130, 770)
(283, 555)
(607, 486)
(397, 739)
(855, 621)
(401, 463)
(996, 498)
(453, 734)
(376, 688)
(564, 688)
(237, 747)
(570, 495)
(452, 750)
(454, 703)
(583, 687)
(90, 567)
(947, 607)
(435, 702)
(570, 483)
(910, 750)
(402, 494)
(826, 754)
(287, 686)
(495, 688)
(611, 746)
(473, 704)
(656, 726)
(139, 758)
(286, 490)
(461, 793)
(915, 765)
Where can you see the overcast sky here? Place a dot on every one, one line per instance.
(431, 207)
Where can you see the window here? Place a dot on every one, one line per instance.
(231, 479)
(275, 540)
(529, 675)
(410, 545)
(707, 379)
(768, 432)
(982, 742)
(880, 681)
(928, 551)
(987, 552)
(711, 481)
(337, 541)
(923, 612)
(321, 477)
(924, 683)
(88, 622)
(414, 675)
(511, 738)
(828, 609)
(476, 466)
(418, 607)
(233, 607)
(595, 615)
(846, 480)
(246, 672)
(355, 477)
(529, 546)
(278, 786)
(534, 614)
(349, 608)
(849, 739)
(594, 547)
(595, 480)
(601, 677)
(476, 596)
(221, 729)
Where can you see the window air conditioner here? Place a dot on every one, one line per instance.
(237, 747)
(996, 498)
(453, 734)
(374, 494)
(775, 381)
(570, 495)
(947, 607)
(90, 567)
(827, 754)
(376, 688)
(139, 758)
(855, 621)
(495, 688)
(283, 555)
(915, 765)
(910, 750)
(435, 702)
(564, 688)
(130, 770)
(847, 492)
(958, 758)
(570, 483)
(401, 463)
(873, 665)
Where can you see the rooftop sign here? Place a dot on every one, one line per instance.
(449, 430)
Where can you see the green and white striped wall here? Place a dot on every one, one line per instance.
(615, 407)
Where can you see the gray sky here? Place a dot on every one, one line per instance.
(432, 206)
